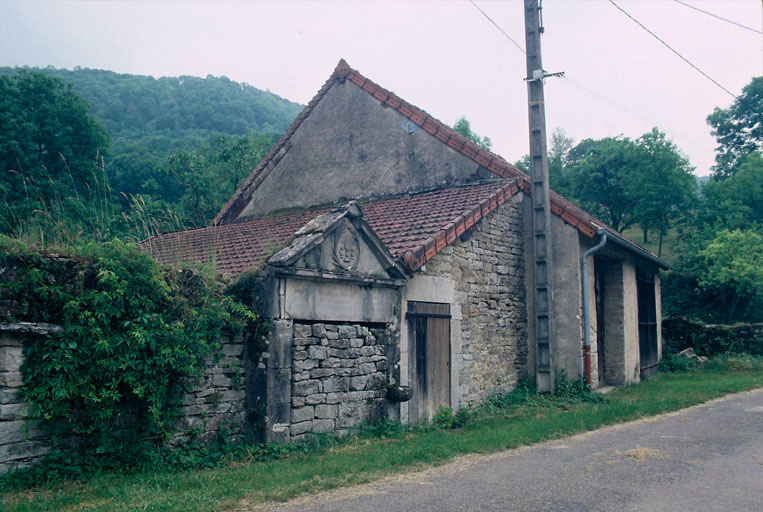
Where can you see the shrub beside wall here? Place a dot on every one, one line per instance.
(134, 339)
(679, 333)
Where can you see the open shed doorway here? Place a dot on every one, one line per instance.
(647, 322)
(610, 321)
(429, 349)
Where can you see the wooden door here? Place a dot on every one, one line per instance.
(647, 322)
(429, 338)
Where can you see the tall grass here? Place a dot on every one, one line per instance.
(60, 215)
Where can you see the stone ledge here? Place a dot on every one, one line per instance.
(31, 328)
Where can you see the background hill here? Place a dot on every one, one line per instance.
(149, 118)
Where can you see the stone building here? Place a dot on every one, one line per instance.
(392, 259)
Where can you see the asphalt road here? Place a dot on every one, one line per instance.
(706, 458)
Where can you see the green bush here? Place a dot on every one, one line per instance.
(671, 363)
(106, 389)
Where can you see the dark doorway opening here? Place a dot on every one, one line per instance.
(647, 322)
(600, 332)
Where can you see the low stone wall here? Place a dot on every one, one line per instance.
(20, 443)
(680, 333)
(339, 377)
(215, 405)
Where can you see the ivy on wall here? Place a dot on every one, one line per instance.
(134, 336)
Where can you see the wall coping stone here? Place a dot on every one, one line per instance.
(40, 328)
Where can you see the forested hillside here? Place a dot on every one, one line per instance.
(149, 118)
(90, 154)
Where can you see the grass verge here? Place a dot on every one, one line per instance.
(502, 423)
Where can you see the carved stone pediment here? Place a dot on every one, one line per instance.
(339, 242)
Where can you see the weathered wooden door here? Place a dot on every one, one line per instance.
(429, 324)
(647, 322)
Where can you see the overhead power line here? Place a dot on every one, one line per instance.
(719, 17)
(585, 89)
(521, 49)
(637, 22)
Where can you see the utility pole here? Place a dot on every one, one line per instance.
(541, 212)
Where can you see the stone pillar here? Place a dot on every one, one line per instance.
(269, 387)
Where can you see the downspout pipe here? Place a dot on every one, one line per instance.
(587, 308)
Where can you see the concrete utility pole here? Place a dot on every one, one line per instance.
(542, 253)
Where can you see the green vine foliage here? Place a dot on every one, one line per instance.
(134, 337)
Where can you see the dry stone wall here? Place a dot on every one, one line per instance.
(20, 443)
(487, 268)
(217, 403)
(214, 406)
(339, 376)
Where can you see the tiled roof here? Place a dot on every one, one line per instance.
(414, 228)
(417, 227)
(232, 248)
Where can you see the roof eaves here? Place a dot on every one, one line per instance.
(415, 258)
(620, 240)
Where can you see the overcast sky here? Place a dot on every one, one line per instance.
(444, 57)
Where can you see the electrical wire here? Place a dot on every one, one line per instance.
(585, 89)
(671, 48)
(521, 49)
(645, 119)
(719, 17)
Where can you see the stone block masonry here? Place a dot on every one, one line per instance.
(487, 269)
(21, 444)
(338, 378)
(214, 406)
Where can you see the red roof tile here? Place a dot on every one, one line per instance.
(231, 248)
(414, 228)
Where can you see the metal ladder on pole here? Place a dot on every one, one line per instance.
(541, 210)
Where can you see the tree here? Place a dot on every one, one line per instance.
(738, 129)
(558, 158)
(208, 176)
(734, 268)
(737, 201)
(49, 145)
(663, 185)
(463, 127)
(601, 176)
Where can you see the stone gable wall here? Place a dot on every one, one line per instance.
(488, 274)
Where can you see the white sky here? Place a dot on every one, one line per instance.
(444, 57)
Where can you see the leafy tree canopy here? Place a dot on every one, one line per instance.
(601, 177)
(49, 144)
(149, 119)
(663, 186)
(734, 267)
(463, 127)
(738, 129)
